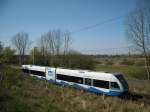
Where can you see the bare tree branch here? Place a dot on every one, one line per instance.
(21, 42)
(139, 34)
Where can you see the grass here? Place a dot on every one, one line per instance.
(134, 72)
(20, 93)
(140, 86)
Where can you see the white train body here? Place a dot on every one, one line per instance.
(97, 82)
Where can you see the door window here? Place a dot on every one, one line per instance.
(88, 81)
(114, 85)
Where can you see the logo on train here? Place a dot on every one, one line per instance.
(50, 73)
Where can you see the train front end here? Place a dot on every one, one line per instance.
(122, 83)
(118, 85)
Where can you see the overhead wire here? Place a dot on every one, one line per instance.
(100, 24)
(97, 24)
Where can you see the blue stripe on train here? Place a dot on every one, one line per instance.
(90, 89)
(111, 93)
(39, 77)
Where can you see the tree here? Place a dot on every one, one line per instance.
(1, 47)
(43, 49)
(53, 44)
(58, 44)
(36, 56)
(58, 41)
(138, 32)
(80, 61)
(67, 48)
(8, 55)
(67, 42)
(21, 42)
(47, 47)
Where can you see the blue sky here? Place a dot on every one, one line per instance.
(39, 16)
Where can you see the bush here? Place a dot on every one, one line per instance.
(109, 62)
(127, 62)
(99, 62)
(80, 62)
(140, 63)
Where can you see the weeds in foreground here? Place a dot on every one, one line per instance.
(28, 94)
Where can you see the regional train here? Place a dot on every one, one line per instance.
(112, 84)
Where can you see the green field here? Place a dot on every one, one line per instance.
(130, 72)
(20, 93)
(135, 76)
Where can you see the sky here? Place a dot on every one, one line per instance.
(37, 17)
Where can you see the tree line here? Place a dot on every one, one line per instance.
(53, 48)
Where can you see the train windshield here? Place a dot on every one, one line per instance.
(123, 81)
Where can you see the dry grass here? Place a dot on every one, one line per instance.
(140, 86)
(120, 61)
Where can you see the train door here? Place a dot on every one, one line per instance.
(50, 73)
(88, 81)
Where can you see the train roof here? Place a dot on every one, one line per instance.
(86, 74)
(77, 73)
(33, 67)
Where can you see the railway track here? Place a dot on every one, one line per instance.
(136, 97)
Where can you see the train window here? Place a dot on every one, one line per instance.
(123, 81)
(101, 84)
(114, 85)
(25, 70)
(70, 78)
(39, 73)
(88, 81)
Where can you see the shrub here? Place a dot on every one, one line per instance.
(99, 62)
(109, 62)
(81, 62)
(127, 62)
(140, 63)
